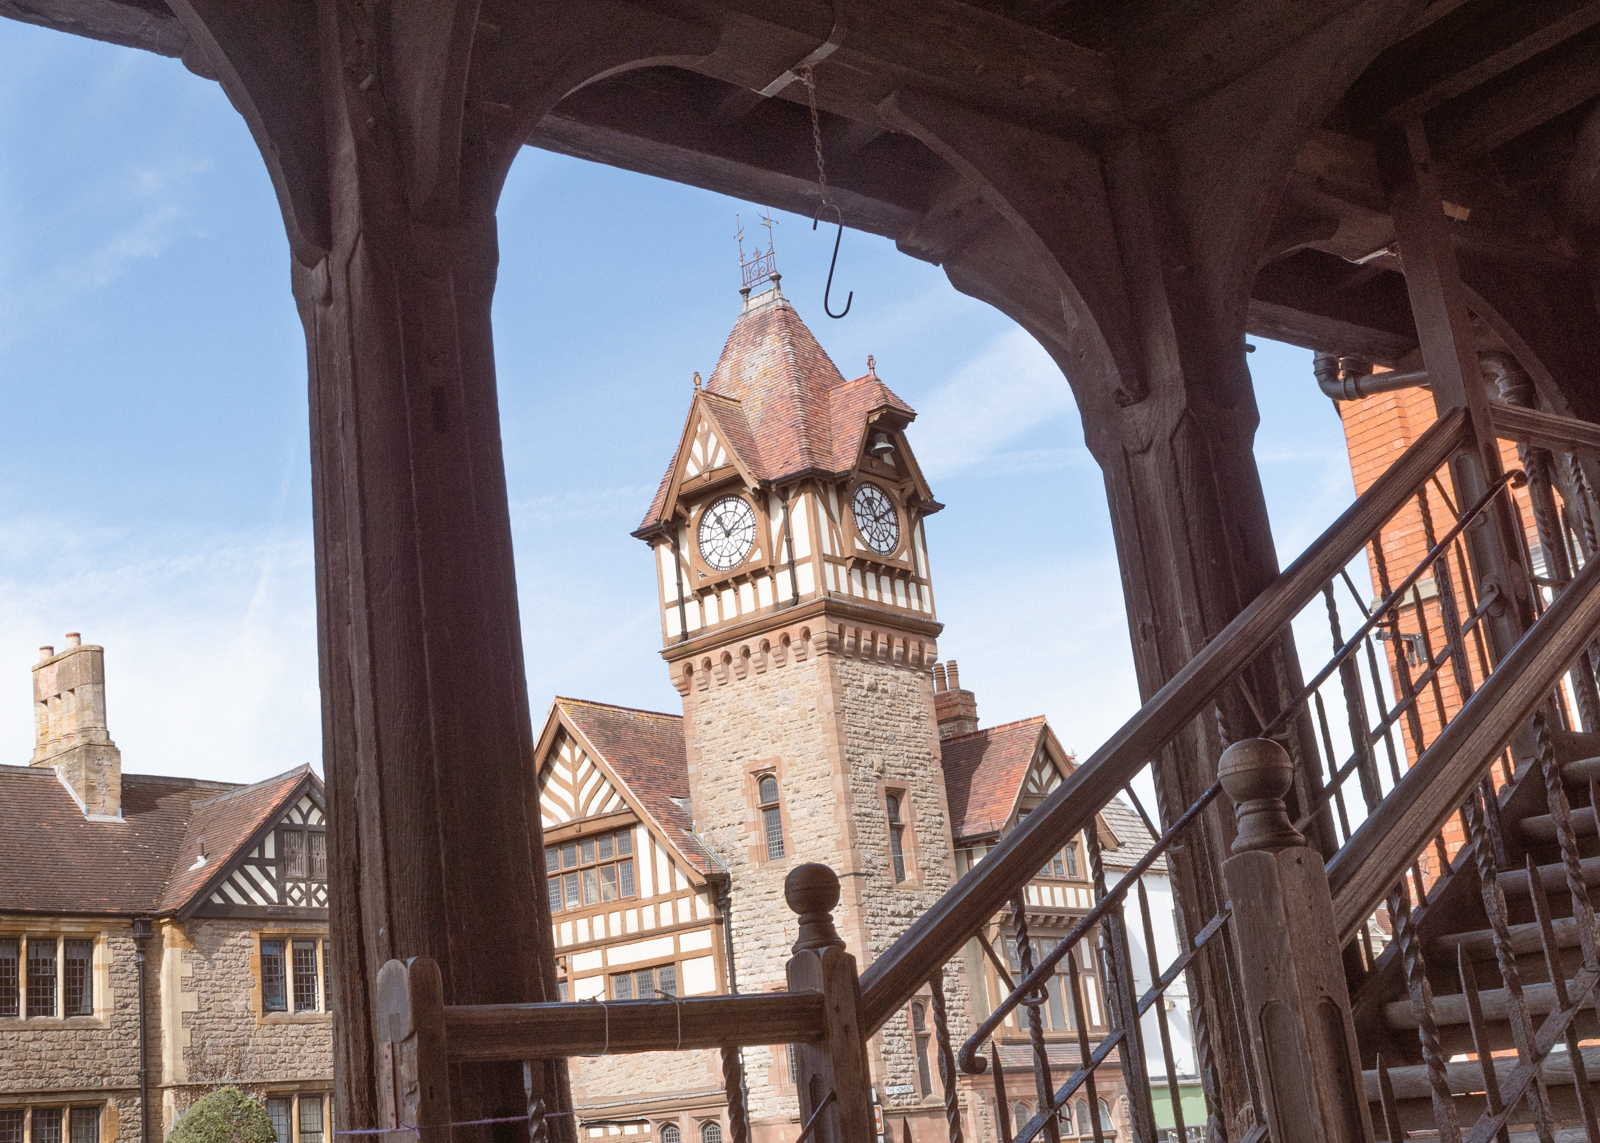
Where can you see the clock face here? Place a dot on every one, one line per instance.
(876, 518)
(727, 531)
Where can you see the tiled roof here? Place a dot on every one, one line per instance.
(645, 750)
(1133, 840)
(219, 827)
(983, 771)
(59, 862)
(783, 405)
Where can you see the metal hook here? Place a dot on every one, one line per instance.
(828, 290)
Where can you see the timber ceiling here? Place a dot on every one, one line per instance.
(1508, 91)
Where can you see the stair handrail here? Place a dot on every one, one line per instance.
(901, 969)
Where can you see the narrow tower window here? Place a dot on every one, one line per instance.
(771, 816)
(919, 1029)
(897, 838)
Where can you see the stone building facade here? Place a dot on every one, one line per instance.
(798, 624)
(197, 909)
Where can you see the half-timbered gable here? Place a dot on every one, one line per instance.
(633, 894)
(259, 851)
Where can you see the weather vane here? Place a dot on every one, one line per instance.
(762, 263)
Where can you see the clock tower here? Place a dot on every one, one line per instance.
(798, 623)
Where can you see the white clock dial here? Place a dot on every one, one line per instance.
(876, 518)
(727, 532)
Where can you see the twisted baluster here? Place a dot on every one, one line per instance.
(1421, 992)
(733, 1084)
(1566, 835)
(947, 1059)
(1044, 1085)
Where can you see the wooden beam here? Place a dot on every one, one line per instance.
(481, 1032)
(1463, 51)
(1496, 115)
(107, 20)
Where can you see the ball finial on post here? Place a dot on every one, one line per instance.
(812, 890)
(1256, 773)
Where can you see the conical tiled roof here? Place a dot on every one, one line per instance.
(784, 407)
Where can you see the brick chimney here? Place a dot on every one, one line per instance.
(956, 709)
(69, 727)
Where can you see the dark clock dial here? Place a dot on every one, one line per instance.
(876, 518)
(727, 532)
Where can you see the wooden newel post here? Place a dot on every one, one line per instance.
(414, 1076)
(836, 1065)
(1296, 1001)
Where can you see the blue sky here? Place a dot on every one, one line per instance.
(154, 470)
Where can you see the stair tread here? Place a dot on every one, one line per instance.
(1582, 769)
(1542, 827)
(1553, 875)
(1524, 938)
(1466, 1077)
(1452, 1008)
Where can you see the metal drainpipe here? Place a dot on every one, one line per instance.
(725, 907)
(788, 543)
(1342, 379)
(141, 937)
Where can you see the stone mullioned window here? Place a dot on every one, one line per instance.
(50, 1124)
(46, 976)
(294, 971)
(300, 1117)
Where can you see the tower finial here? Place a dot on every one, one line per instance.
(762, 264)
(697, 379)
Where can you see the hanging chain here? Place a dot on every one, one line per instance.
(816, 130)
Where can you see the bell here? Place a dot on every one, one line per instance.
(881, 446)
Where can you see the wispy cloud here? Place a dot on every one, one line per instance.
(994, 398)
(210, 640)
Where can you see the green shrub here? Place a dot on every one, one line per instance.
(226, 1115)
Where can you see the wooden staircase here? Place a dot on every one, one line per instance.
(1472, 1008)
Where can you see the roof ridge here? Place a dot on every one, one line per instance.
(297, 772)
(997, 727)
(619, 706)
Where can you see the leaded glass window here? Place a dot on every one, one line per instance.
(305, 976)
(47, 1125)
(279, 1109)
(41, 981)
(274, 985)
(84, 1125)
(77, 981)
(10, 981)
(310, 1119)
(771, 816)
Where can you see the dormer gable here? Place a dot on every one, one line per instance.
(259, 851)
(715, 448)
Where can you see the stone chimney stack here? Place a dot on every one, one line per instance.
(956, 709)
(69, 723)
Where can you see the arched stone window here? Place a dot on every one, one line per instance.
(771, 816)
(711, 1133)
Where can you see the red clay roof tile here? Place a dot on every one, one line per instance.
(983, 772)
(645, 750)
(795, 411)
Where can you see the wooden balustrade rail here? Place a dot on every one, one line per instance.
(1545, 430)
(936, 936)
(482, 1032)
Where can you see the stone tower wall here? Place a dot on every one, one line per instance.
(841, 715)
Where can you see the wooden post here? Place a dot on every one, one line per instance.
(1450, 354)
(837, 1064)
(1296, 1003)
(414, 1086)
(388, 130)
